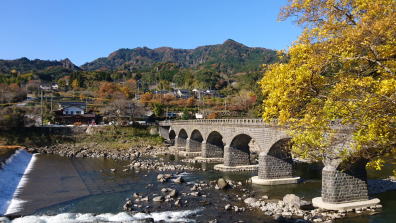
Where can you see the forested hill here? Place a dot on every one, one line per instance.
(24, 65)
(229, 57)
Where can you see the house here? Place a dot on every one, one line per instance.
(45, 87)
(75, 113)
(54, 86)
(162, 92)
(73, 108)
(183, 93)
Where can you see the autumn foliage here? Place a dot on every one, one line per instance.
(341, 74)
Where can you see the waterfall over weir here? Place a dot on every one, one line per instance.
(12, 178)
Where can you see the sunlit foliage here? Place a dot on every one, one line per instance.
(340, 76)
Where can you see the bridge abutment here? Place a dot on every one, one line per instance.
(344, 189)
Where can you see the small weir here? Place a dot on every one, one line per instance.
(11, 177)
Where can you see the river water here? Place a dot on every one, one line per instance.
(56, 188)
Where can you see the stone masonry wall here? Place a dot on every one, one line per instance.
(235, 157)
(180, 142)
(339, 186)
(164, 132)
(212, 151)
(194, 146)
(271, 167)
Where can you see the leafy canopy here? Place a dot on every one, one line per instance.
(341, 73)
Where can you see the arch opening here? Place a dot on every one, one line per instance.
(238, 153)
(195, 141)
(182, 138)
(172, 136)
(214, 147)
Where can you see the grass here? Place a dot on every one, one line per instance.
(109, 136)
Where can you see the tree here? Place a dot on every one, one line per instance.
(158, 109)
(124, 108)
(75, 84)
(186, 114)
(341, 70)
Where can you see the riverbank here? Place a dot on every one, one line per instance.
(143, 186)
(143, 175)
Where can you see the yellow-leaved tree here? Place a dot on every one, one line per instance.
(340, 77)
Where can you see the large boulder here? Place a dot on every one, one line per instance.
(292, 200)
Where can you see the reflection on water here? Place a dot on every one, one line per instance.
(108, 190)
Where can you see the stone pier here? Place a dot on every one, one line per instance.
(273, 170)
(345, 188)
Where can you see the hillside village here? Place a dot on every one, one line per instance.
(120, 89)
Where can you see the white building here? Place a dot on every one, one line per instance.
(73, 108)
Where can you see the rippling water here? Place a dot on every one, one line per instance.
(60, 187)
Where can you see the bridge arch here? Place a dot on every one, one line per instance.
(195, 141)
(277, 163)
(238, 152)
(182, 138)
(214, 147)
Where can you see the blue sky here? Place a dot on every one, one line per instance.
(84, 30)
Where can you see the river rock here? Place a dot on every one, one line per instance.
(250, 201)
(179, 180)
(222, 184)
(172, 193)
(161, 178)
(292, 200)
(195, 194)
(158, 199)
(227, 207)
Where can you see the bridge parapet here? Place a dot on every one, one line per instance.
(218, 121)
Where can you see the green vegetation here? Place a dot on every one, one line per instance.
(109, 137)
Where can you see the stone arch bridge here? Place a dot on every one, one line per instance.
(232, 141)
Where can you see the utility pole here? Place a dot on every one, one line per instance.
(51, 99)
(41, 102)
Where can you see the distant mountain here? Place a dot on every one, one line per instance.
(229, 57)
(24, 65)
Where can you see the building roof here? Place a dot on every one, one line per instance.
(72, 104)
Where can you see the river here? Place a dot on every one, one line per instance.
(56, 188)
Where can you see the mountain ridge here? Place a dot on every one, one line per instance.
(228, 57)
(231, 55)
